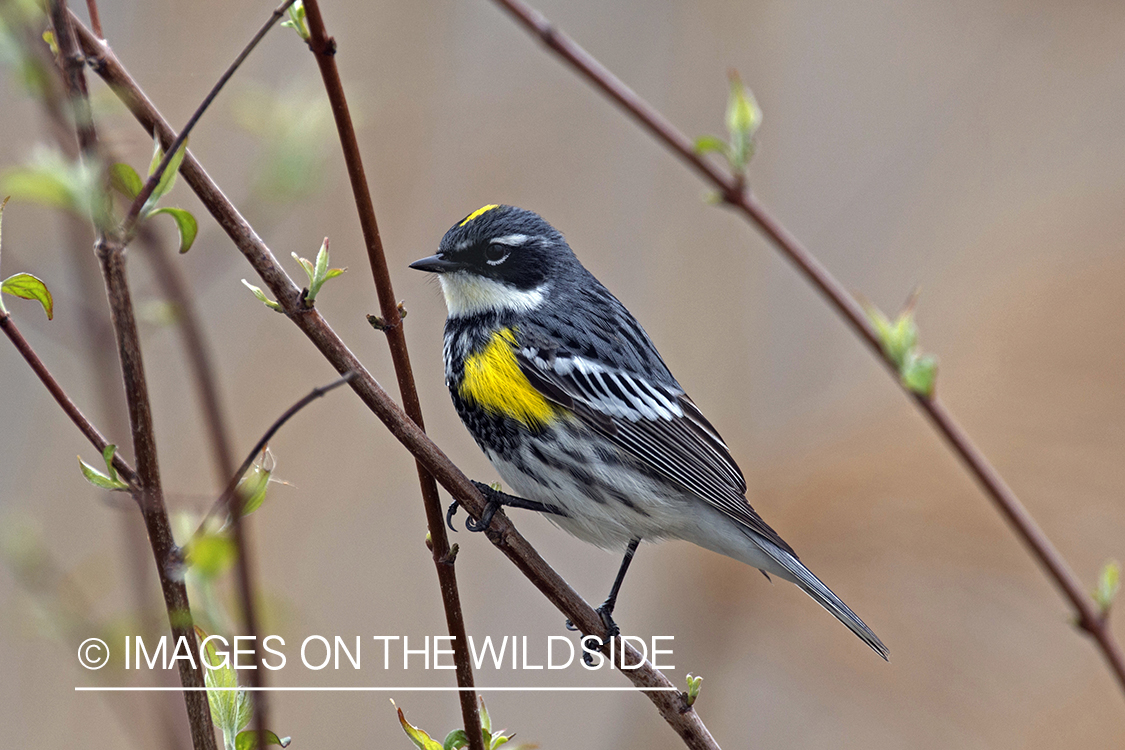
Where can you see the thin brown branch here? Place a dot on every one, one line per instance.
(150, 184)
(95, 18)
(502, 533)
(148, 492)
(324, 49)
(735, 194)
(203, 374)
(127, 473)
(223, 504)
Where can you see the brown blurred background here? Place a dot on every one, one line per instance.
(976, 149)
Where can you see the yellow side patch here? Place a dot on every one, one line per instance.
(478, 212)
(494, 381)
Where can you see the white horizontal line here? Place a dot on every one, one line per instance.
(478, 688)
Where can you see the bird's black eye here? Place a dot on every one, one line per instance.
(494, 255)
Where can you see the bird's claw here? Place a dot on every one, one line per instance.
(611, 632)
(485, 518)
(453, 506)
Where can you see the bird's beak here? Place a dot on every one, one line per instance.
(436, 264)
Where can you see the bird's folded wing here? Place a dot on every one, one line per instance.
(655, 424)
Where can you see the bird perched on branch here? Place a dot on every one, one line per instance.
(569, 399)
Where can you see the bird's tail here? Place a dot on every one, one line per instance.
(814, 587)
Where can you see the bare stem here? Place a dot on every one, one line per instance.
(127, 473)
(324, 49)
(223, 504)
(147, 490)
(177, 292)
(95, 18)
(734, 193)
(154, 179)
(668, 701)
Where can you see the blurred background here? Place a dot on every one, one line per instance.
(975, 149)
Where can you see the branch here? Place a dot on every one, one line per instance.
(95, 18)
(324, 49)
(502, 533)
(244, 579)
(734, 194)
(85, 426)
(147, 490)
(170, 152)
(177, 293)
(224, 501)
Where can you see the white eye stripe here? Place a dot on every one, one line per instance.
(510, 240)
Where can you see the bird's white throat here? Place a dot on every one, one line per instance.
(470, 294)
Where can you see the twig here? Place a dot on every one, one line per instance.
(324, 50)
(195, 346)
(502, 533)
(95, 19)
(127, 473)
(147, 489)
(224, 501)
(735, 194)
(170, 152)
(245, 581)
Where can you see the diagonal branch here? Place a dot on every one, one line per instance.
(734, 194)
(85, 426)
(324, 49)
(169, 153)
(668, 701)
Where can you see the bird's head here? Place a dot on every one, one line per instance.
(499, 258)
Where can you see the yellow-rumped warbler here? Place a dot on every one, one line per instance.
(569, 399)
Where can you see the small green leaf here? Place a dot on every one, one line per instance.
(230, 709)
(262, 296)
(296, 20)
(318, 272)
(185, 223)
(125, 180)
(1109, 582)
(211, 554)
(107, 455)
(253, 484)
(49, 38)
(26, 286)
(919, 373)
(693, 686)
(307, 265)
(248, 740)
(168, 178)
(420, 739)
(485, 719)
(706, 144)
(744, 117)
(321, 262)
(455, 740)
(98, 479)
(40, 186)
(52, 179)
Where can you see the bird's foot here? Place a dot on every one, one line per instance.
(605, 612)
(470, 523)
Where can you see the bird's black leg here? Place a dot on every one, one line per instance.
(606, 610)
(497, 499)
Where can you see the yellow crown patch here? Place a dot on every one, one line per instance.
(478, 212)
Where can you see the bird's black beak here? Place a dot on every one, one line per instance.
(436, 264)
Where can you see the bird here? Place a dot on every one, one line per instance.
(574, 407)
